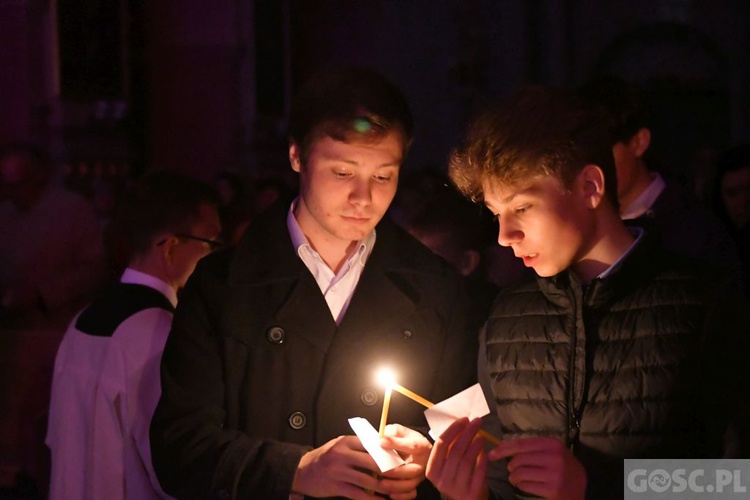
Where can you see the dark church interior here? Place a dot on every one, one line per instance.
(110, 90)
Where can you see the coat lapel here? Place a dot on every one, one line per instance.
(265, 258)
(383, 308)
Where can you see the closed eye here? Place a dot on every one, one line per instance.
(523, 209)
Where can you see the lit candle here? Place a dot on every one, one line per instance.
(388, 379)
(385, 377)
(384, 414)
(489, 437)
(413, 396)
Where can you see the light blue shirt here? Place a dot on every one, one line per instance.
(638, 233)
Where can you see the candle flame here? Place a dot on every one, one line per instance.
(386, 377)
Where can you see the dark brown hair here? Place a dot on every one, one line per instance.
(157, 202)
(346, 104)
(539, 131)
(622, 104)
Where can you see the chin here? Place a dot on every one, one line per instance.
(546, 272)
(357, 234)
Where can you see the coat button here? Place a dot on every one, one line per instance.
(369, 396)
(407, 334)
(297, 420)
(275, 335)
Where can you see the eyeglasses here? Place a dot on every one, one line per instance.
(213, 244)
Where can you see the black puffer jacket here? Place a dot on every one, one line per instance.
(640, 364)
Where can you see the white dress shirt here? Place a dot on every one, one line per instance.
(646, 199)
(104, 393)
(337, 288)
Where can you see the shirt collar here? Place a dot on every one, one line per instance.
(300, 243)
(638, 233)
(134, 277)
(646, 199)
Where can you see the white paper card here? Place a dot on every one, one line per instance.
(386, 459)
(467, 403)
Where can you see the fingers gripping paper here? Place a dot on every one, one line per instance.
(386, 459)
(467, 403)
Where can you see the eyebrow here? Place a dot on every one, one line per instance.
(508, 199)
(356, 164)
(531, 189)
(343, 159)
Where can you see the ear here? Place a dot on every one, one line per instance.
(469, 262)
(640, 142)
(591, 179)
(166, 244)
(294, 157)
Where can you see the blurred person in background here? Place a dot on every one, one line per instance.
(236, 205)
(106, 378)
(458, 231)
(52, 256)
(645, 197)
(731, 199)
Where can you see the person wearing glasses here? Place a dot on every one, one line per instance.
(276, 342)
(106, 376)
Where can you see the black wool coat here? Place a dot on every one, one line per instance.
(256, 372)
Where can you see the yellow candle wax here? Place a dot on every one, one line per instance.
(384, 414)
(489, 437)
(428, 404)
(416, 397)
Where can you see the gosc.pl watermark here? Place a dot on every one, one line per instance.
(683, 479)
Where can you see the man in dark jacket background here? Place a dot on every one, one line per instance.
(276, 342)
(646, 198)
(617, 349)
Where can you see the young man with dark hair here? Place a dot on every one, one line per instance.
(616, 349)
(646, 198)
(276, 342)
(106, 378)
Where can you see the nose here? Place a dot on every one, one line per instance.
(361, 192)
(508, 234)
